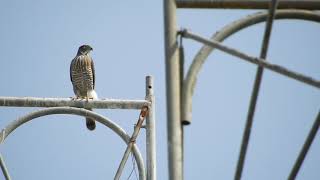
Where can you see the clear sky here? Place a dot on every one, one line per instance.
(40, 38)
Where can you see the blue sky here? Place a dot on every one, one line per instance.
(39, 40)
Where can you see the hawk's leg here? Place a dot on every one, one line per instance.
(89, 97)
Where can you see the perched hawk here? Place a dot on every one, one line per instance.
(83, 78)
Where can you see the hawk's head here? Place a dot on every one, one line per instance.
(84, 49)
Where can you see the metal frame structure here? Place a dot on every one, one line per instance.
(76, 107)
(180, 89)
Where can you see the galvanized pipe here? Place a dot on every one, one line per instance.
(255, 92)
(305, 148)
(81, 112)
(181, 65)
(151, 132)
(132, 141)
(249, 4)
(62, 102)
(201, 57)
(172, 91)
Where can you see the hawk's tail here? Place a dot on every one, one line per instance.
(91, 124)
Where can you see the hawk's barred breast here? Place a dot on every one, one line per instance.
(82, 75)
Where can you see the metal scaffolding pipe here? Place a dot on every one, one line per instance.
(257, 61)
(63, 102)
(81, 112)
(151, 132)
(249, 4)
(4, 169)
(255, 91)
(174, 133)
(227, 31)
(305, 148)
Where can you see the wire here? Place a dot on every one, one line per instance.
(133, 168)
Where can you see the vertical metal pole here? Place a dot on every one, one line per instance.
(183, 123)
(151, 132)
(172, 91)
(4, 169)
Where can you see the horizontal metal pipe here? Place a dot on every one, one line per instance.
(249, 4)
(254, 60)
(60, 102)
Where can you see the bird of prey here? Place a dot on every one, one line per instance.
(82, 76)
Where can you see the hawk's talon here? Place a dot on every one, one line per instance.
(75, 98)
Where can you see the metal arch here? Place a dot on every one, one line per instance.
(81, 112)
(204, 52)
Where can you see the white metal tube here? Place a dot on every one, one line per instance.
(62, 102)
(151, 132)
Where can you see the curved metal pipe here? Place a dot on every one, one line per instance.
(81, 112)
(204, 52)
